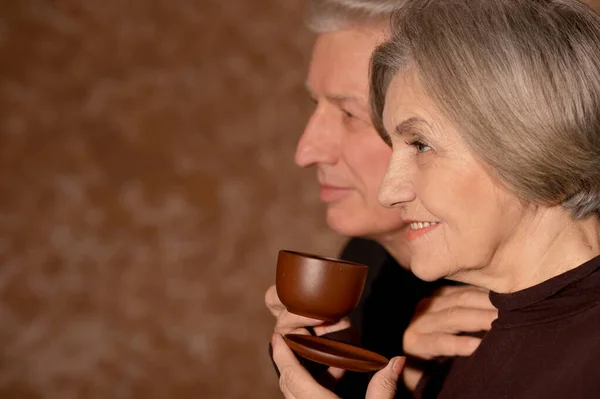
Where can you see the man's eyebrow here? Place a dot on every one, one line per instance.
(409, 126)
(308, 88)
(335, 98)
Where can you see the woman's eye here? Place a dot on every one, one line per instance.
(348, 114)
(420, 146)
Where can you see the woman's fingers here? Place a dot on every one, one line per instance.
(436, 326)
(272, 301)
(463, 296)
(384, 383)
(456, 320)
(429, 346)
(295, 382)
(336, 373)
(327, 328)
(292, 323)
(435, 334)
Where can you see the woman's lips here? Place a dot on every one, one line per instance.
(417, 229)
(333, 194)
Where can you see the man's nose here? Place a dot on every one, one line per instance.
(320, 141)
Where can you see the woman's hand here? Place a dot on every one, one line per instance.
(438, 320)
(296, 383)
(291, 323)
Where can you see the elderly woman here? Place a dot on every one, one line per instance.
(493, 112)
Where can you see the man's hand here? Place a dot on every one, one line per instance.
(438, 320)
(296, 383)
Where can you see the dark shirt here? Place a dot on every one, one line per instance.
(386, 307)
(544, 344)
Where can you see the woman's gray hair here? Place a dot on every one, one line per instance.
(519, 79)
(332, 15)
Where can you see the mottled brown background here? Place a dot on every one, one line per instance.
(146, 184)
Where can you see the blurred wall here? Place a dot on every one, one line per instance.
(146, 185)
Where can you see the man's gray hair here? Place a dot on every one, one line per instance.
(331, 15)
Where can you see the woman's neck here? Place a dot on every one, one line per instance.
(548, 244)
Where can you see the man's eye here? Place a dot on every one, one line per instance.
(348, 114)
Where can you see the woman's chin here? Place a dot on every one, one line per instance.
(425, 271)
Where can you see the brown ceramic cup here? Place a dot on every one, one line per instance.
(318, 287)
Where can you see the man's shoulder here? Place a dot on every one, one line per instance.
(365, 251)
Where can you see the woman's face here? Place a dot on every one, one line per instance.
(340, 140)
(461, 218)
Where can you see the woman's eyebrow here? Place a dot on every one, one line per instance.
(410, 126)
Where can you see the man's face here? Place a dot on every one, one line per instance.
(350, 157)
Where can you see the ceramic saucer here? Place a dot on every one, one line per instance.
(334, 353)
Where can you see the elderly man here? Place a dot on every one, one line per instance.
(350, 159)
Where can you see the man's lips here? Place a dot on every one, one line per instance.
(334, 193)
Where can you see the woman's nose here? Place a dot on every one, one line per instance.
(396, 187)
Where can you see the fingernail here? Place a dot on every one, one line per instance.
(398, 364)
(395, 366)
(474, 344)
